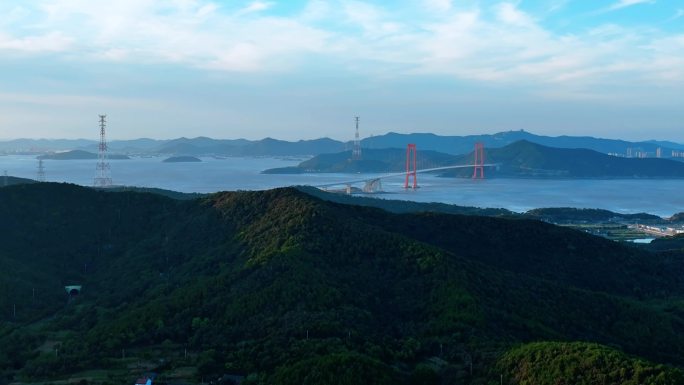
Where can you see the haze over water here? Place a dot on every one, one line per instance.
(656, 196)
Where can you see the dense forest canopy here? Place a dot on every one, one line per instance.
(280, 287)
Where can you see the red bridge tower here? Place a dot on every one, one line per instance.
(411, 149)
(478, 169)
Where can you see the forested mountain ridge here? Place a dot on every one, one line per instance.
(277, 285)
(463, 144)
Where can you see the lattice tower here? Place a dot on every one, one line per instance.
(103, 177)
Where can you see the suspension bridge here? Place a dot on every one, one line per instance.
(374, 184)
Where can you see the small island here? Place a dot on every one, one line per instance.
(181, 159)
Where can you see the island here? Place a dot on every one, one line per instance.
(181, 159)
(79, 155)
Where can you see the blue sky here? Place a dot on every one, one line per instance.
(303, 69)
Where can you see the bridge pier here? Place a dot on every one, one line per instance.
(373, 186)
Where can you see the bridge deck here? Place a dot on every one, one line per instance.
(394, 175)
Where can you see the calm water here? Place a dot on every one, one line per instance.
(661, 197)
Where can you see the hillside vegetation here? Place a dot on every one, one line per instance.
(281, 287)
(581, 364)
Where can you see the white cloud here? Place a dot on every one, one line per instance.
(316, 10)
(557, 5)
(628, 3)
(14, 14)
(438, 5)
(70, 101)
(363, 14)
(514, 49)
(192, 32)
(509, 14)
(254, 7)
(678, 14)
(50, 42)
(500, 44)
(206, 10)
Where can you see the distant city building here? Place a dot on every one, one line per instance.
(659, 152)
(636, 153)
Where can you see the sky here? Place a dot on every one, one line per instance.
(302, 69)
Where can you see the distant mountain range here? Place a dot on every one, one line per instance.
(272, 147)
(518, 159)
(533, 156)
(465, 144)
(183, 146)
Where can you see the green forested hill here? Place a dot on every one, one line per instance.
(581, 364)
(12, 180)
(284, 288)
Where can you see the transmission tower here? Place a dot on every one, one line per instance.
(356, 152)
(102, 178)
(41, 171)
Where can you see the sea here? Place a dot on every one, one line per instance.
(663, 197)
